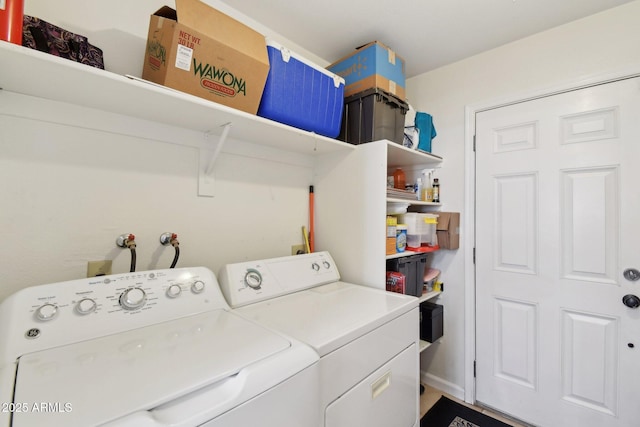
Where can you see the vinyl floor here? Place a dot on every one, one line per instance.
(432, 395)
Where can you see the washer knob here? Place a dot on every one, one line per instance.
(197, 287)
(46, 312)
(326, 264)
(86, 306)
(174, 291)
(315, 266)
(133, 298)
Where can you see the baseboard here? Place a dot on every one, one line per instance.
(442, 385)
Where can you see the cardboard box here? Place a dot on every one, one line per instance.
(448, 230)
(373, 65)
(207, 54)
(395, 282)
(390, 245)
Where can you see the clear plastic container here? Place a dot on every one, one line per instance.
(428, 225)
(413, 240)
(421, 228)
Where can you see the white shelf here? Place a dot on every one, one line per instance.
(426, 344)
(402, 254)
(409, 252)
(400, 156)
(412, 202)
(425, 297)
(428, 296)
(30, 72)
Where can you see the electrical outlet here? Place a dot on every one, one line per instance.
(99, 268)
(297, 249)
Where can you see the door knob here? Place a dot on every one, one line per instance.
(631, 274)
(631, 301)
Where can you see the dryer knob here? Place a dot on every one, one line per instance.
(46, 312)
(253, 279)
(133, 298)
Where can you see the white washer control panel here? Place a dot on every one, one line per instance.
(55, 314)
(252, 281)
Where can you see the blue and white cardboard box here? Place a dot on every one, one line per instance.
(373, 65)
(301, 94)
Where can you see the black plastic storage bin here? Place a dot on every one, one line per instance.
(372, 115)
(431, 321)
(412, 267)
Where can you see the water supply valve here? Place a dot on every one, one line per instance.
(168, 239)
(126, 240)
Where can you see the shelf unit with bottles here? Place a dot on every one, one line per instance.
(361, 205)
(413, 162)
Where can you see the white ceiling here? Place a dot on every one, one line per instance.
(426, 33)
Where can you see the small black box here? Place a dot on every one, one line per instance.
(372, 115)
(431, 321)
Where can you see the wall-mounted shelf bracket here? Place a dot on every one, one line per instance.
(208, 157)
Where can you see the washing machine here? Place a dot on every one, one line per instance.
(367, 339)
(155, 348)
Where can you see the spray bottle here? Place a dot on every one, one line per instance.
(419, 189)
(427, 185)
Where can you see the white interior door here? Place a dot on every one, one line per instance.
(557, 223)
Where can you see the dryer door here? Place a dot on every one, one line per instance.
(387, 397)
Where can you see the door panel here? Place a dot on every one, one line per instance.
(590, 224)
(515, 223)
(582, 384)
(516, 344)
(557, 212)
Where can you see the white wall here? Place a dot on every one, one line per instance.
(119, 27)
(583, 50)
(73, 179)
(70, 187)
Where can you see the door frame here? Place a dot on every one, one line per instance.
(470, 203)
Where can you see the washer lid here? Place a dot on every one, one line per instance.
(329, 316)
(96, 381)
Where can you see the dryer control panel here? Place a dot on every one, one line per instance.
(252, 281)
(46, 316)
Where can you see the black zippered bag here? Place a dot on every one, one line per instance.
(45, 37)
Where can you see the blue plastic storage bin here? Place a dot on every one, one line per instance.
(301, 94)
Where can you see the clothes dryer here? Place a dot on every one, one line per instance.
(367, 339)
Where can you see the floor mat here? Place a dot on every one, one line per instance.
(447, 413)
